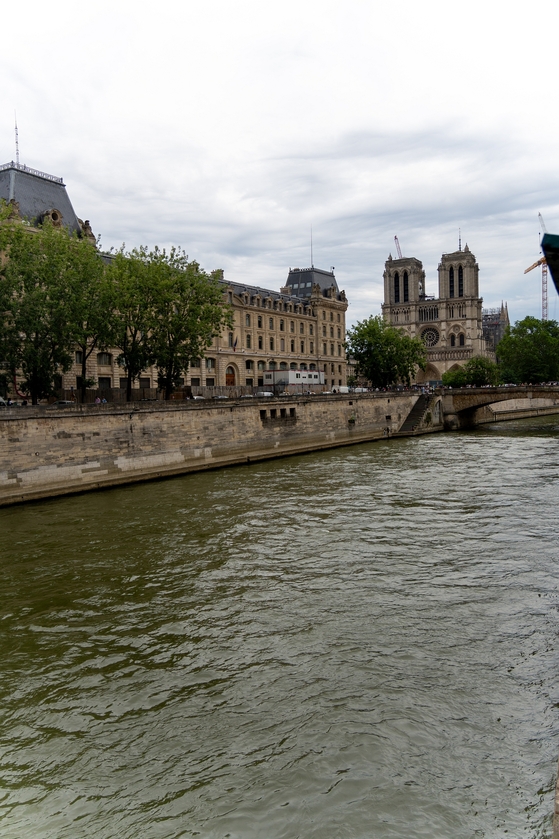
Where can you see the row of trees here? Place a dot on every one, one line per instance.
(58, 294)
(529, 352)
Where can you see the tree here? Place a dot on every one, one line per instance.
(529, 352)
(384, 355)
(478, 371)
(132, 305)
(90, 308)
(188, 313)
(40, 273)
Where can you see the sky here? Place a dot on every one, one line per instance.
(233, 130)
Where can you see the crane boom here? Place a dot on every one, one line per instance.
(398, 248)
(536, 264)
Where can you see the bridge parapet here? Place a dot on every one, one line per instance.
(460, 406)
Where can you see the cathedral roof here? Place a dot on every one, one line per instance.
(37, 194)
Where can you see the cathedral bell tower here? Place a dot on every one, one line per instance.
(458, 275)
(404, 281)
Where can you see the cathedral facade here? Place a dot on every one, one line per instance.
(450, 325)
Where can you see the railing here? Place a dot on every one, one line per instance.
(21, 168)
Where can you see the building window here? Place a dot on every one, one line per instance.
(283, 365)
(195, 382)
(104, 383)
(339, 349)
(260, 343)
(104, 359)
(324, 349)
(311, 330)
(271, 344)
(451, 282)
(338, 317)
(460, 281)
(282, 324)
(396, 287)
(331, 316)
(195, 363)
(292, 326)
(331, 349)
(247, 320)
(249, 364)
(271, 323)
(406, 287)
(259, 321)
(331, 332)
(210, 364)
(323, 315)
(292, 346)
(230, 339)
(453, 340)
(461, 339)
(210, 382)
(261, 366)
(248, 342)
(249, 382)
(123, 383)
(282, 344)
(324, 331)
(145, 383)
(302, 346)
(79, 357)
(302, 328)
(339, 333)
(312, 347)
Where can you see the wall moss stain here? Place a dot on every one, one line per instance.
(83, 448)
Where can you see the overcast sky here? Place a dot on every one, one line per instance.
(232, 128)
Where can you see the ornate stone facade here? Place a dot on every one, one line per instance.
(450, 325)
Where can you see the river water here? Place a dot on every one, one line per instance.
(360, 643)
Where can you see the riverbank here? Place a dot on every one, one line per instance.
(45, 452)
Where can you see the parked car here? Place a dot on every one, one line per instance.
(62, 403)
(264, 393)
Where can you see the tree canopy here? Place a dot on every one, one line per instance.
(58, 296)
(42, 278)
(478, 371)
(384, 355)
(529, 352)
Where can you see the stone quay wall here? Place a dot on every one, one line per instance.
(46, 452)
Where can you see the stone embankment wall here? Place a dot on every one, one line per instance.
(46, 452)
(516, 409)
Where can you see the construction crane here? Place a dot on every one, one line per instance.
(398, 248)
(543, 263)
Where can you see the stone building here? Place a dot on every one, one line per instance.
(299, 327)
(450, 325)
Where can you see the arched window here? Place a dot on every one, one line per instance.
(460, 282)
(453, 340)
(283, 365)
(451, 282)
(396, 287)
(293, 366)
(461, 339)
(406, 287)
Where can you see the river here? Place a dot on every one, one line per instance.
(356, 643)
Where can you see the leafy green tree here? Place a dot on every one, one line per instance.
(132, 306)
(384, 355)
(529, 352)
(90, 308)
(189, 312)
(39, 274)
(478, 371)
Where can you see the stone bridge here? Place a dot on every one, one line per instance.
(464, 408)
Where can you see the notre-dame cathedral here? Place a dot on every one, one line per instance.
(450, 325)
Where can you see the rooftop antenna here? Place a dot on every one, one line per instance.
(459, 239)
(312, 263)
(17, 139)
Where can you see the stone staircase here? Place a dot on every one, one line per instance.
(415, 416)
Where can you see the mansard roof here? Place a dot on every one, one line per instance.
(300, 281)
(36, 193)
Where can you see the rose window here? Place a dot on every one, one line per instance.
(430, 337)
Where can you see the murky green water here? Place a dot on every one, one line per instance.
(360, 643)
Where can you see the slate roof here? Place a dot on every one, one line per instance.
(301, 281)
(36, 193)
